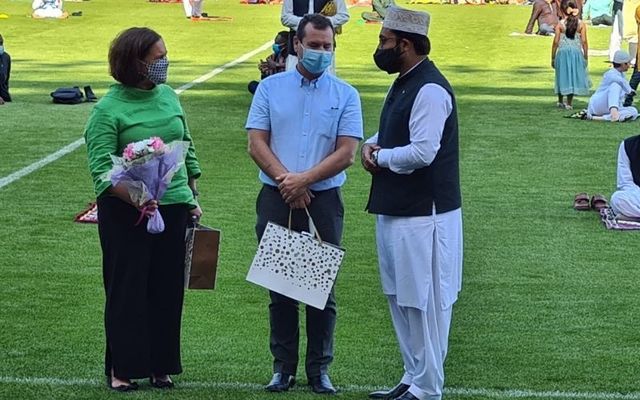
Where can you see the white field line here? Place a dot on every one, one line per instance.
(467, 392)
(72, 146)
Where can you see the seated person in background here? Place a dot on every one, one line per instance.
(598, 11)
(48, 9)
(5, 73)
(606, 102)
(379, 10)
(275, 62)
(625, 201)
(545, 12)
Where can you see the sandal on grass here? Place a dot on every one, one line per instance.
(581, 202)
(598, 202)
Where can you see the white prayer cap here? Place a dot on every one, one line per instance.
(621, 57)
(411, 21)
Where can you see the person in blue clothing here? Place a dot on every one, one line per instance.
(304, 126)
(5, 73)
(598, 11)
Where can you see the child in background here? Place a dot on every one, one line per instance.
(276, 61)
(569, 57)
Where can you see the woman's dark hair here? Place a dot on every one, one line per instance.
(318, 21)
(421, 43)
(127, 50)
(571, 23)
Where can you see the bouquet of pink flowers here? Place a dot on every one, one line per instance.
(146, 169)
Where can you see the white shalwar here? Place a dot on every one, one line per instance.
(193, 8)
(626, 200)
(610, 94)
(420, 257)
(47, 8)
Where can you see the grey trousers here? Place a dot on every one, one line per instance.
(327, 212)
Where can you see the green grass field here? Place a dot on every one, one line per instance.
(549, 303)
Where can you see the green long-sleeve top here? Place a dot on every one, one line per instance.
(126, 114)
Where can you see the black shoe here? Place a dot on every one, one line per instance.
(204, 15)
(122, 388)
(407, 396)
(281, 382)
(88, 94)
(628, 101)
(322, 384)
(158, 384)
(76, 14)
(389, 394)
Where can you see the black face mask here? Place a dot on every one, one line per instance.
(388, 59)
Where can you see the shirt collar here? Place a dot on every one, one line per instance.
(314, 82)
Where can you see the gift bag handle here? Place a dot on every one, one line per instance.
(311, 223)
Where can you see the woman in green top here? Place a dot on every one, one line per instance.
(143, 273)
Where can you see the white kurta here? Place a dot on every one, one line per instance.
(611, 93)
(626, 199)
(421, 257)
(47, 8)
(193, 8)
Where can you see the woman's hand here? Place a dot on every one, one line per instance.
(196, 213)
(149, 208)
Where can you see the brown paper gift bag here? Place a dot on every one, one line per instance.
(201, 257)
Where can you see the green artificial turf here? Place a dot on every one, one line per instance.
(549, 300)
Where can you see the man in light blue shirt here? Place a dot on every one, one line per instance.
(304, 126)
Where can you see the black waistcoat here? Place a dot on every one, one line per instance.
(632, 148)
(300, 8)
(439, 183)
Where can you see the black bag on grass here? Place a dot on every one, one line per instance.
(67, 95)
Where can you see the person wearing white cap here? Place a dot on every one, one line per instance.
(415, 193)
(607, 102)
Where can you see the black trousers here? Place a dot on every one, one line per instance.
(327, 212)
(144, 286)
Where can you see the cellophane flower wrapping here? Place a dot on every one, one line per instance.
(146, 169)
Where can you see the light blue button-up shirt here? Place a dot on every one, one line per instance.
(305, 119)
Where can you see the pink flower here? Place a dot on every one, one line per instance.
(128, 153)
(156, 143)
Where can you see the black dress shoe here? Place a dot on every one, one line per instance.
(390, 394)
(322, 384)
(158, 384)
(122, 388)
(407, 396)
(281, 382)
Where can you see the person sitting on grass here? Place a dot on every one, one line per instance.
(48, 9)
(625, 202)
(275, 62)
(546, 14)
(379, 10)
(606, 102)
(598, 11)
(5, 73)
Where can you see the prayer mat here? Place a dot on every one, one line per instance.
(613, 221)
(211, 18)
(88, 216)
